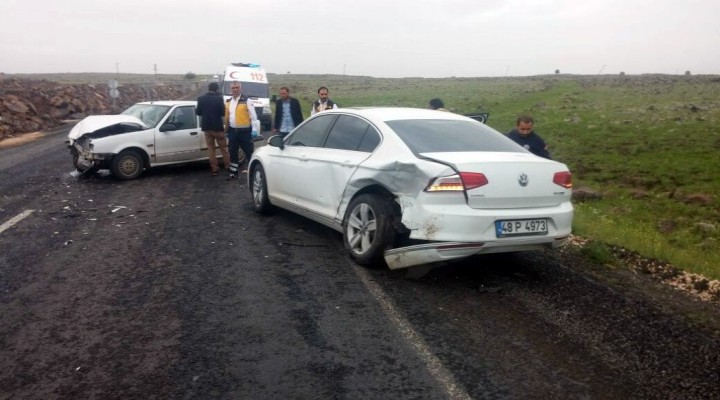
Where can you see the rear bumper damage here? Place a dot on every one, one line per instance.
(405, 257)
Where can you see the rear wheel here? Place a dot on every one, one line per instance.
(129, 164)
(258, 189)
(368, 229)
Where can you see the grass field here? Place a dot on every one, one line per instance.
(650, 144)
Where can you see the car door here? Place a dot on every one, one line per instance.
(178, 137)
(288, 172)
(349, 142)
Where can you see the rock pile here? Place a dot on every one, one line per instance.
(30, 105)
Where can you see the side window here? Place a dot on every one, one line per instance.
(370, 141)
(312, 133)
(183, 118)
(347, 133)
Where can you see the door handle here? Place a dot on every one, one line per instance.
(193, 133)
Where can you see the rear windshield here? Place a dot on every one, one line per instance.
(440, 135)
(149, 114)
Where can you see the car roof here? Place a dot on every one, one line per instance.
(398, 113)
(171, 102)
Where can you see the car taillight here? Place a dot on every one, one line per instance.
(473, 180)
(563, 179)
(457, 183)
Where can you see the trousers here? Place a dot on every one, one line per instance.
(239, 138)
(211, 138)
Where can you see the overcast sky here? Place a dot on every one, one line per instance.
(380, 38)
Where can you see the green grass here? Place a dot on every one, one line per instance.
(650, 144)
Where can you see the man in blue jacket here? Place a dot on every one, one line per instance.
(525, 136)
(211, 109)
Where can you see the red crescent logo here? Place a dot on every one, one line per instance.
(232, 75)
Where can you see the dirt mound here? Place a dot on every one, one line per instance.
(32, 105)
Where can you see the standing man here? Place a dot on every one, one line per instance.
(323, 103)
(288, 114)
(211, 109)
(525, 136)
(239, 117)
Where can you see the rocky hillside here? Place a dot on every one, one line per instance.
(32, 105)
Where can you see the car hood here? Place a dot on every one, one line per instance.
(96, 122)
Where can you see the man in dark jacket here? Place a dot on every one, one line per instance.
(288, 114)
(524, 135)
(211, 109)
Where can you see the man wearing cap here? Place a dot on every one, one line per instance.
(211, 109)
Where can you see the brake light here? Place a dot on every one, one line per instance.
(473, 180)
(457, 183)
(563, 179)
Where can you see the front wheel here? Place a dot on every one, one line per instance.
(258, 189)
(129, 164)
(368, 229)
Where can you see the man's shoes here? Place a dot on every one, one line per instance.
(214, 172)
(232, 177)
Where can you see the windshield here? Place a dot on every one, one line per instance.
(249, 89)
(149, 114)
(440, 135)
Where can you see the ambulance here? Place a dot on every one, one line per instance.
(255, 86)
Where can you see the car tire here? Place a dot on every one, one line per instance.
(258, 189)
(129, 164)
(368, 229)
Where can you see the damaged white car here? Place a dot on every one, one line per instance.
(147, 134)
(412, 186)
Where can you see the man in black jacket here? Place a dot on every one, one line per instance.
(525, 136)
(288, 114)
(211, 109)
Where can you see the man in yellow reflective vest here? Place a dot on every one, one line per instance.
(239, 118)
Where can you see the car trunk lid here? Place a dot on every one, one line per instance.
(514, 180)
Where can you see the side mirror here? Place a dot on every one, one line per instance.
(277, 141)
(168, 127)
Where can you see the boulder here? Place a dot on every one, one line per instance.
(31, 105)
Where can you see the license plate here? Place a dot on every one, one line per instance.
(521, 227)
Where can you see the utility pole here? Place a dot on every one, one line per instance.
(117, 68)
(155, 68)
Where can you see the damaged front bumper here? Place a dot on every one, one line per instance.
(84, 159)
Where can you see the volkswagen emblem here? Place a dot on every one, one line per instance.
(523, 180)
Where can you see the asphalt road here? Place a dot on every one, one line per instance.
(171, 287)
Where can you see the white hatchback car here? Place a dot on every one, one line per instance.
(147, 134)
(412, 186)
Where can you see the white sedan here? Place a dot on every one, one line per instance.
(412, 186)
(146, 135)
